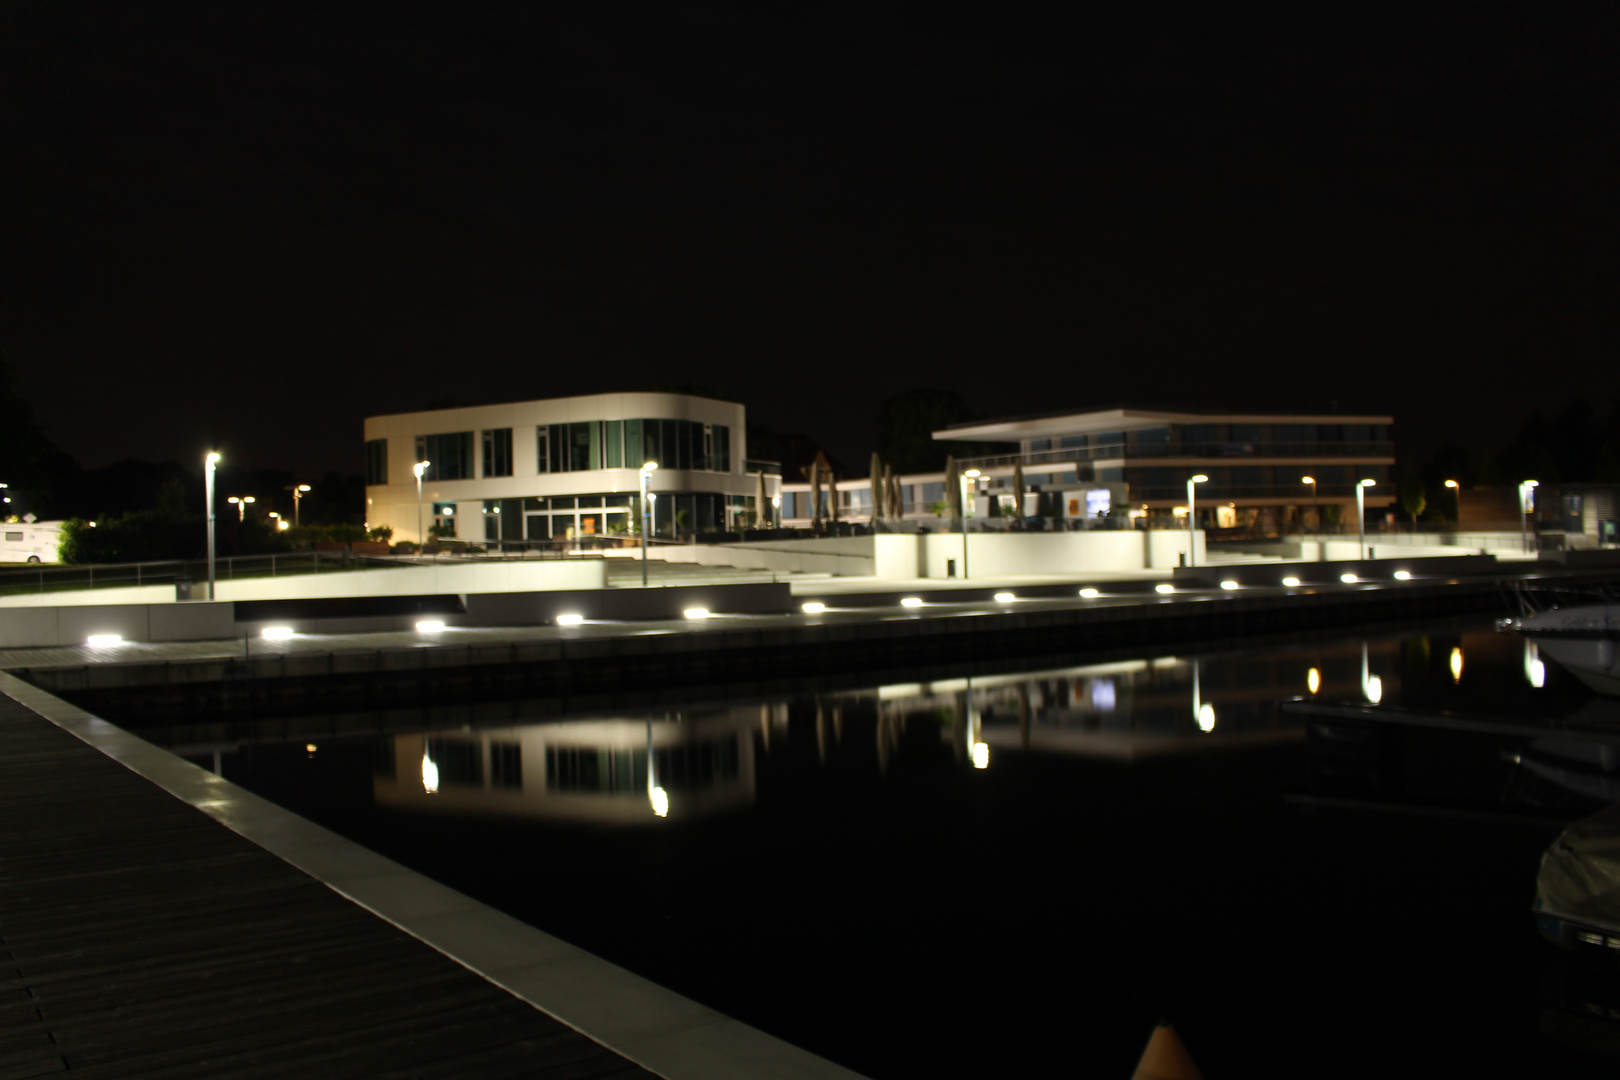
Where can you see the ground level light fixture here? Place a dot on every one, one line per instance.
(430, 626)
(1291, 582)
(1403, 575)
(276, 633)
(1090, 594)
(1164, 589)
(814, 607)
(570, 618)
(99, 640)
(696, 613)
(1229, 585)
(1349, 579)
(1005, 598)
(912, 601)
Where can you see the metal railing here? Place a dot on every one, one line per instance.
(44, 579)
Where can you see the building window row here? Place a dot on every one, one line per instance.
(377, 461)
(574, 447)
(1222, 440)
(449, 456)
(626, 444)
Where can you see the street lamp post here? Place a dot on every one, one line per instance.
(209, 463)
(419, 468)
(1192, 528)
(1361, 515)
(1456, 489)
(1316, 511)
(647, 468)
(967, 478)
(298, 493)
(1527, 505)
(241, 504)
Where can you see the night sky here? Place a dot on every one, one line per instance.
(252, 224)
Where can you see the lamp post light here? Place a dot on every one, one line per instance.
(419, 468)
(1527, 506)
(1192, 517)
(776, 511)
(1456, 489)
(967, 478)
(298, 493)
(1316, 511)
(209, 463)
(1361, 515)
(241, 504)
(647, 468)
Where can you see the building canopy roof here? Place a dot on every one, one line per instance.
(1125, 418)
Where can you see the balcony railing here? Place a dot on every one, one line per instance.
(1220, 450)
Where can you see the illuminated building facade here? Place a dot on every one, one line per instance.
(564, 470)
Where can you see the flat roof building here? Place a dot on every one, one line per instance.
(1257, 467)
(565, 469)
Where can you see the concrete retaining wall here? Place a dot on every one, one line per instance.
(531, 608)
(844, 556)
(72, 624)
(444, 579)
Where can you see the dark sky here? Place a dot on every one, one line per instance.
(252, 224)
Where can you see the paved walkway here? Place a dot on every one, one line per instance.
(140, 937)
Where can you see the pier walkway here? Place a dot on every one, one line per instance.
(145, 937)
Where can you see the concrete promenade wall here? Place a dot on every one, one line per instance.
(843, 556)
(71, 624)
(891, 556)
(1012, 554)
(432, 580)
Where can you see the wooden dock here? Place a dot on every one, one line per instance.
(140, 937)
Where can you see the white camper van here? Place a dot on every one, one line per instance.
(29, 541)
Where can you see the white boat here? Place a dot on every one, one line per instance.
(1583, 639)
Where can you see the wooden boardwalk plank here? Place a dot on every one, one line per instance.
(138, 937)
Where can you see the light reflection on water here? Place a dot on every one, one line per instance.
(1144, 827)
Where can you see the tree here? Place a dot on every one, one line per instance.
(906, 426)
(26, 455)
(1414, 499)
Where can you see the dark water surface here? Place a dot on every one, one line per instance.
(835, 869)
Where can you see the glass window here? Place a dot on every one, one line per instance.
(1072, 442)
(1193, 434)
(1037, 445)
(377, 461)
(498, 452)
(1153, 442)
(506, 764)
(542, 443)
(634, 457)
(581, 446)
(1111, 440)
(1248, 433)
(723, 447)
(612, 443)
(450, 456)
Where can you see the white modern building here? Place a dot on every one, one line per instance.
(565, 469)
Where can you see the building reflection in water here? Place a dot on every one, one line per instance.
(1127, 709)
(602, 771)
(637, 770)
